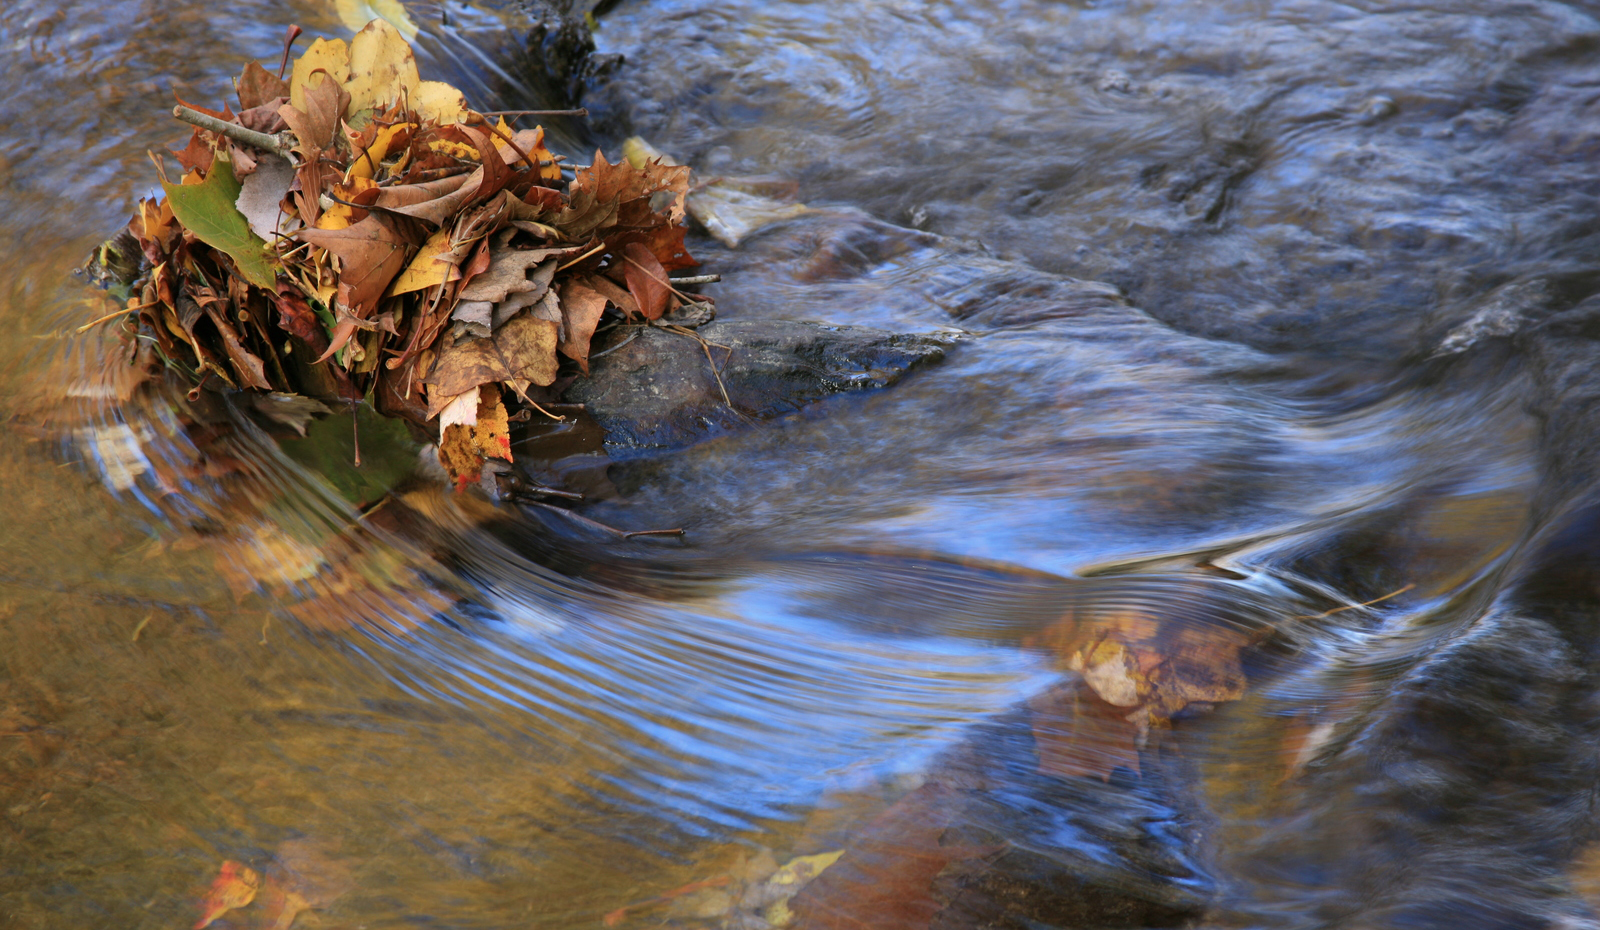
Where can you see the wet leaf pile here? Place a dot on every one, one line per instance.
(353, 233)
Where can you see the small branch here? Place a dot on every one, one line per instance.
(277, 145)
(581, 111)
(697, 279)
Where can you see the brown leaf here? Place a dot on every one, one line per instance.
(314, 127)
(622, 182)
(297, 319)
(410, 195)
(258, 86)
(619, 298)
(523, 349)
(246, 364)
(199, 153)
(884, 880)
(371, 253)
(581, 309)
(508, 273)
(647, 280)
(496, 173)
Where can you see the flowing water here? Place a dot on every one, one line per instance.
(1265, 317)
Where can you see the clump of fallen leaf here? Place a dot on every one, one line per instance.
(355, 233)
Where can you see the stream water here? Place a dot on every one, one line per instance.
(1271, 317)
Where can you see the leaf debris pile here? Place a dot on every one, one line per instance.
(356, 233)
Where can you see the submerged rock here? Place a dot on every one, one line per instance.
(656, 389)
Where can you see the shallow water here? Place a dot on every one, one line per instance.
(1258, 313)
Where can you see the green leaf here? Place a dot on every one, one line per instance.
(207, 210)
(388, 453)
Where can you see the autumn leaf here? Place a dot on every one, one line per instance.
(371, 253)
(330, 56)
(508, 273)
(647, 280)
(259, 87)
(523, 349)
(207, 209)
(234, 887)
(382, 68)
(581, 309)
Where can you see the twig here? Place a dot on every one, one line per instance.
(697, 279)
(111, 316)
(620, 534)
(1354, 606)
(277, 145)
(507, 140)
(581, 111)
(594, 251)
(662, 280)
(631, 336)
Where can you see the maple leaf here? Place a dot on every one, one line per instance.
(235, 886)
(207, 209)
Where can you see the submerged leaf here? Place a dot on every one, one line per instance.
(235, 886)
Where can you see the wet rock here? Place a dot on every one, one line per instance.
(656, 389)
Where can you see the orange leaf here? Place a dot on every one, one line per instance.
(234, 887)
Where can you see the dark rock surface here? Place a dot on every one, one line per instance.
(658, 391)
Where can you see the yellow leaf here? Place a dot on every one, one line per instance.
(367, 161)
(382, 68)
(437, 263)
(357, 13)
(454, 149)
(330, 55)
(339, 216)
(439, 102)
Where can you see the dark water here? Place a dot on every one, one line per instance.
(1259, 312)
